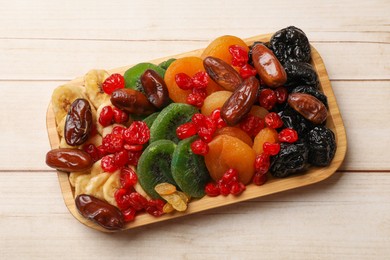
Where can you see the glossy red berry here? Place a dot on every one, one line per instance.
(281, 94)
(92, 151)
(195, 100)
(273, 120)
(137, 201)
(200, 92)
(137, 133)
(112, 143)
(113, 82)
(199, 147)
(252, 125)
(236, 189)
(118, 130)
(129, 214)
(288, 135)
(200, 80)
(247, 71)
(106, 116)
(183, 81)
(128, 178)
(155, 207)
(271, 148)
(259, 178)
(120, 117)
(212, 189)
(134, 157)
(262, 163)
(121, 158)
(186, 130)
(239, 55)
(230, 176)
(267, 98)
(133, 147)
(108, 164)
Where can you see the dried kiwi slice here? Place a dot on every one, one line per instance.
(188, 169)
(150, 119)
(154, 166)
(166, 64)
(172, 116)
(133, 74)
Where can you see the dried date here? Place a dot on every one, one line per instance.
(222, 73)
(309, 107)
(78, 122)
(240, 102)
(312, 91)
(69, 160)
(100, 212)
(132, 101)
(155, 88)
(268, 67)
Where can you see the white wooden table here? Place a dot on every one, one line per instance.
(46, 43)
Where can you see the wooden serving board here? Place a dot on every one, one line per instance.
(274, 185)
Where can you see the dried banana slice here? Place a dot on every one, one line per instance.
(93, 82)
(74, 175)
(81, 183)
(95, 185)
(110, 187)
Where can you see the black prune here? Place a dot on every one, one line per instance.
(300, 73)
(290, 44)
(312, 91)
(322, 146)
(291, 159)
(294, 120)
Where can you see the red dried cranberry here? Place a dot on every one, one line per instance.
(199, 147)
(108, 164)
(267, 98)
(137, 201)
(106, 116)
(200, 80)
(102, 150)
(212, 189)
(259, 178)
(224, 189)
(247, 71)
(122, 198)
(236, 189)
(134, 157)
(137, 133)
(128, 178)
(133, 147)
(120, 117)
(113, 82)
(216, 117)
(271, 148)
(239, 55)
(118, 130)
(92, 151)
(129, 214)
(121, 158)
(252, 125)
(112, 143)
(288, 135)
(155, 207)
(273, 120)
(183, 81)
(200, 91)
(186, 130)
(281, 94)
(230, 176)
(262, 163)
(195, 100)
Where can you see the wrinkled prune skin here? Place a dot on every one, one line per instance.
(292, 158)
(312, 91)
(290, 44)
(300, 73)
(322, 146)
(294, 120)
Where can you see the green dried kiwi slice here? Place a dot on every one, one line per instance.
(150, 119)
(172, 116)
(154, 166)
(166, 64)
(189, 170)
(133, 74)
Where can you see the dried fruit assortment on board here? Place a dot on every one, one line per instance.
(153, 139)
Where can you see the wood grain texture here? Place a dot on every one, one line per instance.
(313, 175)
(46, 43)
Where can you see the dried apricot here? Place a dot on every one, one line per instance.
(189, 66)
(226, 152)
(214, 101)
(235, 132)
(265, 135)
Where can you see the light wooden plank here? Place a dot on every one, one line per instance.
(366, 118)
(29, 59)
(344, 217)
(185, 19)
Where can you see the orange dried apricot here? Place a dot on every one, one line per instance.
(189, 66)
(227, 152)
(214, 101)
(235, 132)
(265, 135)
(220, 47)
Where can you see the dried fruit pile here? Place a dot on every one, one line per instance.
(150, 140)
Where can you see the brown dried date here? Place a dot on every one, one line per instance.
(268, 66)
(132, 101)
(100, 212)
(78, 122)
(240, 102)
(222, 73)
(155, 88)
(69, 160)
(309, 107)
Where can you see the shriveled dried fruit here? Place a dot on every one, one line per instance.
(312, 91)
(309, 107)
(168, 208)
(292, 119)
(300, 73)
(176, 201)
(222, 73)
(165, 188)
(322, 146)
(78, 122)
(290, 44)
